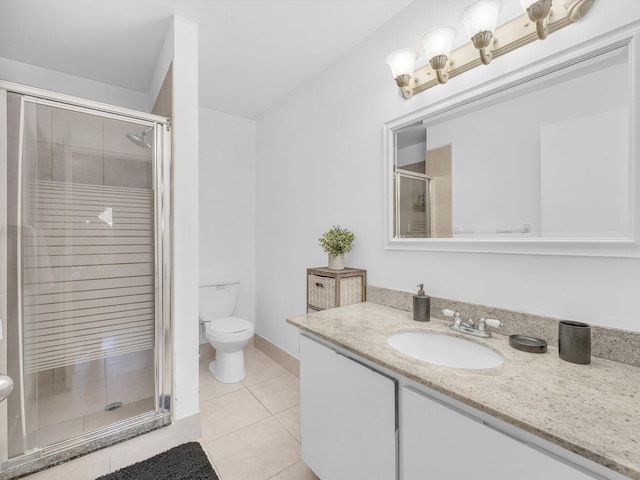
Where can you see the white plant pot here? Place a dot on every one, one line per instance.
(336, 262)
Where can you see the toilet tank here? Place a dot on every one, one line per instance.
(218, 298)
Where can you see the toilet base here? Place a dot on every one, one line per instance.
(228, 367)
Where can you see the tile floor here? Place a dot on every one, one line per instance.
(251, 430)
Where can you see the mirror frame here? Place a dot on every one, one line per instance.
(629, 37)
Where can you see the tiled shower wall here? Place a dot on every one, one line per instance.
(81, 148)
(438, 167)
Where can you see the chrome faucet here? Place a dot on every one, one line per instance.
(468, 326)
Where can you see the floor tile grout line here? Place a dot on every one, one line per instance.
(268, 409)
(209, 456)
(240, 428)
(287, 430)
(256, 422)
(268, 379)
(269, 414)
(246, 426)
(260, 402)
(201, 402)
(283, 470)
(284, 374)
(259, 367)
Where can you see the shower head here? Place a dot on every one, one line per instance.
(139, 139)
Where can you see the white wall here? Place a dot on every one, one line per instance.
(320, 162)
(228, 203)
(185, 217)
(34, 76)
(165, 58)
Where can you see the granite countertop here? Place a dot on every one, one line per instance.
(592, 410)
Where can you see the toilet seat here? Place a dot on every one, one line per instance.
(228, 326)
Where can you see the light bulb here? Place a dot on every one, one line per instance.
(438, 41)
(481, 16)
(402, 61)
(527, 3)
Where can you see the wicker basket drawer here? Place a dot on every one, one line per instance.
(350, 290)
(328, 288)
(322, 291)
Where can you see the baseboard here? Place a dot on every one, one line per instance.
(275, 353)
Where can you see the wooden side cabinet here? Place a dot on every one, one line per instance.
(335, 288)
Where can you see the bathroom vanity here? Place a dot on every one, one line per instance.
(371, 412)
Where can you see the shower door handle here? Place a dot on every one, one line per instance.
(6, 385)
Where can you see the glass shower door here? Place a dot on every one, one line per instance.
(412, 205)
(85, 294)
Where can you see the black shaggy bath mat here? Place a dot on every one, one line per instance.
(184, 462)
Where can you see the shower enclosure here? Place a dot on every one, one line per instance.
(84, 276)
(412, 202)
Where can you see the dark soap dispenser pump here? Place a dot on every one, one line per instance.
(421, 306)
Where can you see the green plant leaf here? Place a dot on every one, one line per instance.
(337, 241)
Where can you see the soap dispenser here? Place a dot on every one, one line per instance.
(421, 306)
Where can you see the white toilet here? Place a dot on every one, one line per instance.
(228, 335)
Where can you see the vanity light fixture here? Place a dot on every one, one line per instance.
(437, 44)
(480, 20)
(541, 18)
(538, 11)
(402, 63)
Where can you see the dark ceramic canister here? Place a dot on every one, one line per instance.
(574, 342)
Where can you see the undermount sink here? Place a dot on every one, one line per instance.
(445, 350)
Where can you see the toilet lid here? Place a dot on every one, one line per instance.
(228, 325)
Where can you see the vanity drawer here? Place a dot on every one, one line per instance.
(334, 288)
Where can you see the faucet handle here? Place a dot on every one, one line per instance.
(456, 317)
(492, 322)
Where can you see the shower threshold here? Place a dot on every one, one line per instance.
(66, 450)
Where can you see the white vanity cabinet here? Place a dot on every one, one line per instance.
(361, 421)
(438, 442)
(348, 416)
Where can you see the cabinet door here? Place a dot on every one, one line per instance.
(437, 442)
(348, 415)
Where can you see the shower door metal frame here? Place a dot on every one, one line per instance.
(398, 175)
(161, 165)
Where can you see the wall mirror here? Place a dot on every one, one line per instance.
(545, 162)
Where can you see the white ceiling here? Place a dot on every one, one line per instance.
(251, 52)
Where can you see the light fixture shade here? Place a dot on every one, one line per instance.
(481, 16)
(402, 62)
(438, 41)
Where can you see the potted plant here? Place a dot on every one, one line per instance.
(336, 242)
